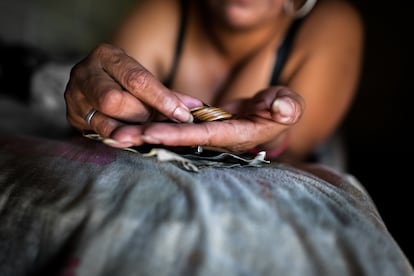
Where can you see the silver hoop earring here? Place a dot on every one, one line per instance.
(302, 11)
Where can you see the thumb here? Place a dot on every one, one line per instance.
(284, 105)
(286, 110)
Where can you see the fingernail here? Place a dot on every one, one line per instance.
(286, 109)
(183, 115)
(150, 139)
(112, 142)
(284, 106)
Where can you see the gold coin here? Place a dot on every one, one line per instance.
(209, 113)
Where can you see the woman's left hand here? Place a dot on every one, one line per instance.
(258, 121)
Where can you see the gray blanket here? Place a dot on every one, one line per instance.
(78, 207)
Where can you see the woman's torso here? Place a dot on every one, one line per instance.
(200, 68)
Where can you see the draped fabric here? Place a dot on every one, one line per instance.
(78, 207)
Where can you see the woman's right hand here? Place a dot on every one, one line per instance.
(122, 91)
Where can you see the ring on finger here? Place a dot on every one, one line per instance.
(89, 116)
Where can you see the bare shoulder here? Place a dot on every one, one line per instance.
(149, 31)
(151, 14)
(338, 11)
(334, 21)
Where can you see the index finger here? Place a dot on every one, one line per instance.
(137, 80)
(234, 135)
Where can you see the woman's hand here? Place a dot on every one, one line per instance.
(121, 90)
(258, 123)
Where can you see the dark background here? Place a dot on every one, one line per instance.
(377, 129)
(379, 126)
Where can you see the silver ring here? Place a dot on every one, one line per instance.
(89, 116)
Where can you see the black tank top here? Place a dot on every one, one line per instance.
(283, 50)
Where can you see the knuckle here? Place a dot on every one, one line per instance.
(110, 101)
(137, 80)
(105, 50)
(66, 95)
(69, 93)
(209, 132)
(104, 53)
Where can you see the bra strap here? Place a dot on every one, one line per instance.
(179, 43)
(283, 51)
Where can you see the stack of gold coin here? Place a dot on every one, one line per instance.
(209, 113)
